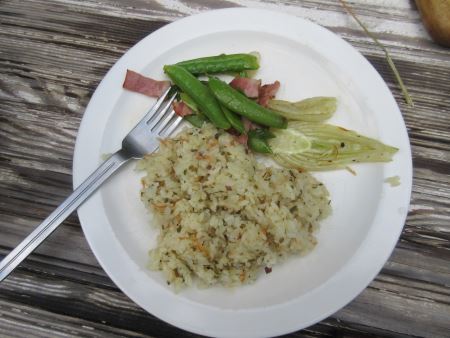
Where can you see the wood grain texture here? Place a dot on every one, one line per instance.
(53, 55)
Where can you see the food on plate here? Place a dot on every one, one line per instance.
(247, 86)
(144, 85)
(189, 101)
(189, 110)
(318, 146)
(182, 109)
(222, 63)
(197, 120)
(242, 105)
(235, 120)
(393, 181)
(258, 144)
(268, 92)
(313, 109)
(257, 140)
(225, 218)
(200, 93)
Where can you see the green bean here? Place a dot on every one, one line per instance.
(196, 120)
(243, 73)
(258, 144)
(240, 104)
(174, 90)
(220, 63)
(200, 93)
(189, 101)
(234, 120)
(263, 133)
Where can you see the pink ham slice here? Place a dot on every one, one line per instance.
(268, 92)
(182, 109)
(248, 125)
(144, 85)
(250, 87)
(242, 139)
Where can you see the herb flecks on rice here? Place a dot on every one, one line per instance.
(224, 217)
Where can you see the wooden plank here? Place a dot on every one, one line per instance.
(54, 305)
(29, 321)
(391, 306)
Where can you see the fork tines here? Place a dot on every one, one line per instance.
(161, 119)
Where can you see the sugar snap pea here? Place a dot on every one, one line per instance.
(240, 104)
(196, 120)
(263, 133)
(220, 63)
(200, 93)
(189, 101)
(174, 90)
(257, 143)
(243, 73)
(234, 120)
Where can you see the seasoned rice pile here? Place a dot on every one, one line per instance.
(224, 218)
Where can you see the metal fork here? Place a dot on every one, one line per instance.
(160, 121)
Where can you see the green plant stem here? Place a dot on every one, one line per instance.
(406, 95)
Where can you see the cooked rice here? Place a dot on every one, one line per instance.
(223, 217)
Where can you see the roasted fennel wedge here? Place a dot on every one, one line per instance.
(318, 146)
(313, 109)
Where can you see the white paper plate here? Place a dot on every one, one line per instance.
(353, 244)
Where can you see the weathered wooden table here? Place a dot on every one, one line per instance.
(52, 56)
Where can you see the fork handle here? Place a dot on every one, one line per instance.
(80, 194)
